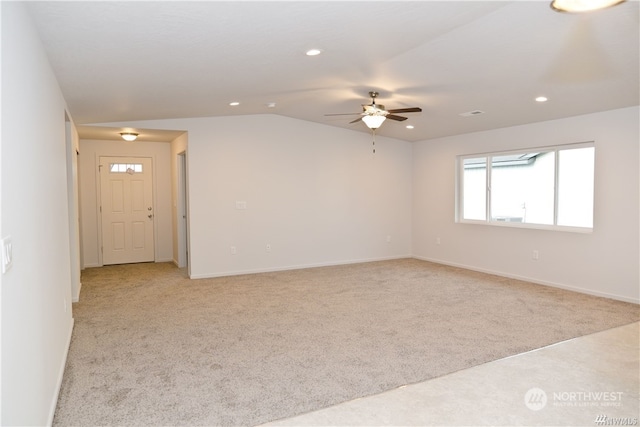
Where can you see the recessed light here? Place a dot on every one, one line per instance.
(409, 126)
(314, 52)
(234, 103)
(472, 113)
(542, 99)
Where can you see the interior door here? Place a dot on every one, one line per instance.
(126, 195)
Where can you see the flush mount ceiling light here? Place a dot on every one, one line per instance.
(373, 121)
(582, 5)
(129, 136)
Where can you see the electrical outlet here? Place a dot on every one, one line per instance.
(233, 250)
(268, 247)
(438, 241)
(535, 255)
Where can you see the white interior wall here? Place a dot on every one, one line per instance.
(36, 291)
(315, 193)
(90, 152)
(605, 262)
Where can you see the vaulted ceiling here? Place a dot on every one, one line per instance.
(126, 61)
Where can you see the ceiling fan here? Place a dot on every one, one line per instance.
(373, 115)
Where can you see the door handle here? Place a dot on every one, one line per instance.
(150, 216)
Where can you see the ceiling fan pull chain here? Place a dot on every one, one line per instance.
(374, 141)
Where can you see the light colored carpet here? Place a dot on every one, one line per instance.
(151, 347)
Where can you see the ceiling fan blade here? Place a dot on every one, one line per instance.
(356, 120)
(342, 114)
(406, 110)
(396, 118)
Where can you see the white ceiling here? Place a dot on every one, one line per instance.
(127, 61)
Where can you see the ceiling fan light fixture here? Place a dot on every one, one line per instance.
(373, 122)
(129, 136)
(577, 6)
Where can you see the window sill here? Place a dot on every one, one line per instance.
(563, 228)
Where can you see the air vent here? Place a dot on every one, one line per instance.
(471, 113)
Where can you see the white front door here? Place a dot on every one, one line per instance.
(126, 194)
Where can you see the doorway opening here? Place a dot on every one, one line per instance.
(182, 213)
(75, 250)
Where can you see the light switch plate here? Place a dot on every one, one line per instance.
(7, 254)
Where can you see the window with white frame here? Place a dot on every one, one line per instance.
(129, 168)
(549, 187)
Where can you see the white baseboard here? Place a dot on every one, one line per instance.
(54, 401)
(92, 265)
(292, 267)
(533, 280)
